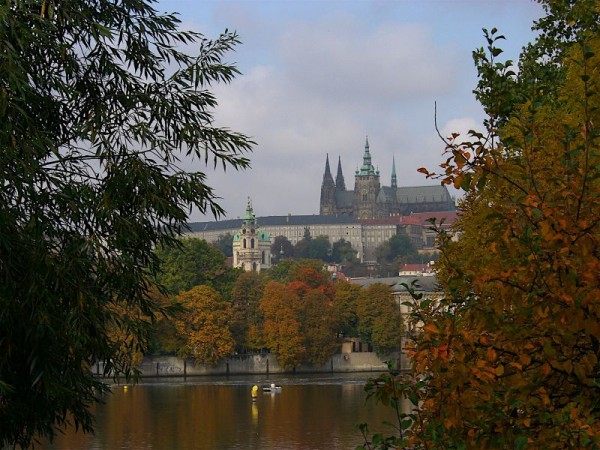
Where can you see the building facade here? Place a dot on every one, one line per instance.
(371, 200)
(364, 235)
(251, 245)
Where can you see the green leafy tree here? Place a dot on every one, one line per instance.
(281, 249)
(163, 338)
(342, 252)
(247, 320)
(379, 319)
(224, 243)
(346, 296)
(313, 248)
(204, 325)
(398, 247)
(320, 248)
(194, 262)
(97, 108)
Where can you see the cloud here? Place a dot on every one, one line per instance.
(462, 126)
(317, 78)
(337, 58)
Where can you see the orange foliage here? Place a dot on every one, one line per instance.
(205, 325)
(511, 356)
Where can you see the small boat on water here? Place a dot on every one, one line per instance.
(272, 388)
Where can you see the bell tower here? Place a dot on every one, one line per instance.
(366, 187)
(251, 246)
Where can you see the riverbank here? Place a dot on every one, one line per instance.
(261, 364)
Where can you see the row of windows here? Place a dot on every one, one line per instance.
(251, 243)
(263, 257)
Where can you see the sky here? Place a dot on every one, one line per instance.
(318, 77)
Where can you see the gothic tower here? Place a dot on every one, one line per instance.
(366, 188)
(340, 184)
(327, 206)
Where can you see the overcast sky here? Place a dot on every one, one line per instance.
(319, 76)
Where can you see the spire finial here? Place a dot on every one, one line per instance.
(249, 212)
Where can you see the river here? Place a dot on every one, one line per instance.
(208, 413)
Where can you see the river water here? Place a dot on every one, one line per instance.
(311, 412)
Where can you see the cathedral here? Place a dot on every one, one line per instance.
(370, 200)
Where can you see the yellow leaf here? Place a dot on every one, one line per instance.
(499, 370)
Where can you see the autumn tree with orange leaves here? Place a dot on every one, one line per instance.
(204, 325)
(510, 358)
(300, 320)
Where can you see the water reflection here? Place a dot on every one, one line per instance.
(310, 412)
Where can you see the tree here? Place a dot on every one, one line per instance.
(320, 248)
(396, 248)
(285, 271)
(281, 248)
(313, 248)
(93, 128)
(511, 355)
(281, 326)
(224, 243)
(163, 338)
(193, 262)
(346, 295)
(316, 314)
(379, 319)
(246, 321)
(319, 325)
(342, 252)
(204, 325)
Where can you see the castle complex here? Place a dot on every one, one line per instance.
(370, 200)
(365, 217)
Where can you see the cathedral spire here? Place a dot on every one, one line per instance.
(367, 154)
(394, 180)
(327, 178)
(327, 205)
(367, 167)
(340, 184)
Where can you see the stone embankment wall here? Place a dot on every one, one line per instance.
(262, 364)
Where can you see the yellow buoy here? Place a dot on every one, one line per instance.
(254, 392)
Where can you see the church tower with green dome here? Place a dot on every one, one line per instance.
(251, 246)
